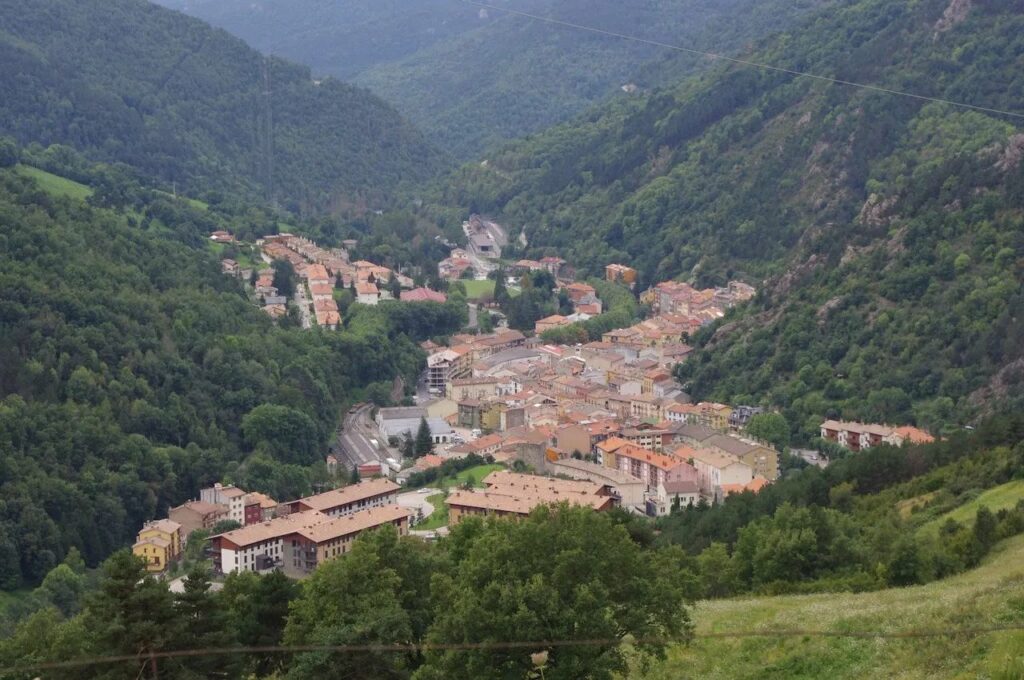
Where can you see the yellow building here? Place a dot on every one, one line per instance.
(158, 543)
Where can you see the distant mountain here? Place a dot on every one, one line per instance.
(127, 81)
(473, 77)
(885, 231)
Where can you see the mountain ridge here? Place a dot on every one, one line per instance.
(128, 81)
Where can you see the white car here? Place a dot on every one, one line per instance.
(422, 490)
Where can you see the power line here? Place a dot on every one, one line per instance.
(152, 656)
(742, 62)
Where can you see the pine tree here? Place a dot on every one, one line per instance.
(500, 291)
(424, 439)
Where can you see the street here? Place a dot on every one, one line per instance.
(354, 443)
(303, 303)
(417, 500)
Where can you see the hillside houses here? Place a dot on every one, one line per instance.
(858, 436)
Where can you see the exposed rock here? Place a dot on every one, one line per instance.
(1013, 154)
(874, 211)
(955, 13)
(1008, 380)
(793, 276)
(823, 311)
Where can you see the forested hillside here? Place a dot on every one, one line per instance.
(343, 38)
(474, 77)
(885, 231)
(128, 81)
(132, 372)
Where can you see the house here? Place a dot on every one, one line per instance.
(231, 496)
(691, 435)
(321, 292)
(221, 236)
(439, 368)
(857, 436)
(754, 486)
(299, 542)
(159, 542)
(367, 293)
(484, 387)
(549, 322)
(512, 494)
(482, 446)
(630, 489)
(908, 434)
(195, 515)
(229, 266)
(670, 493)
(716, 469)
(578, 292)
(620, 274)
(259, 507)
(423, 295)
(648, 436)
(762, 460)
(742, 414)
(585, 436)
(348, 499)
(650, 467)
(316, 274)
(552, 264)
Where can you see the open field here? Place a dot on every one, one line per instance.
(991, 595)
(474, 475)
(997, 498)
(54, 184)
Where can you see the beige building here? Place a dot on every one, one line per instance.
(197, 515)
(513, 494)
(299, 542)
(629, 488)
(716, 469)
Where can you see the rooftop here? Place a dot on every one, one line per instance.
(348, 494)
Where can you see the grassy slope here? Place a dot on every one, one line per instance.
(54, 184)
(990, 595)
(439, 517)
(473, 474)
(997, 498)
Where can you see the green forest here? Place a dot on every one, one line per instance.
(883, 232)
(187, 105)
(134, 372)
(562, 574)
(621, 588)
(472, 78)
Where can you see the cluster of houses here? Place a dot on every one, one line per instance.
(610, 411)
(161, 541)
(585, 304)
(858, 436)
(294, 537)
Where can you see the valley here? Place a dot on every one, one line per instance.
(494, 340)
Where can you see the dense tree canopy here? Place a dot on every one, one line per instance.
(132, 373)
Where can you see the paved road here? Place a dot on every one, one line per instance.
(303, 304)
(417, 500)
(423, 395)
(354, 438)
(472, 315)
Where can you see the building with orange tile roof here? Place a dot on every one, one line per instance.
(299, 542)
(513, 494)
